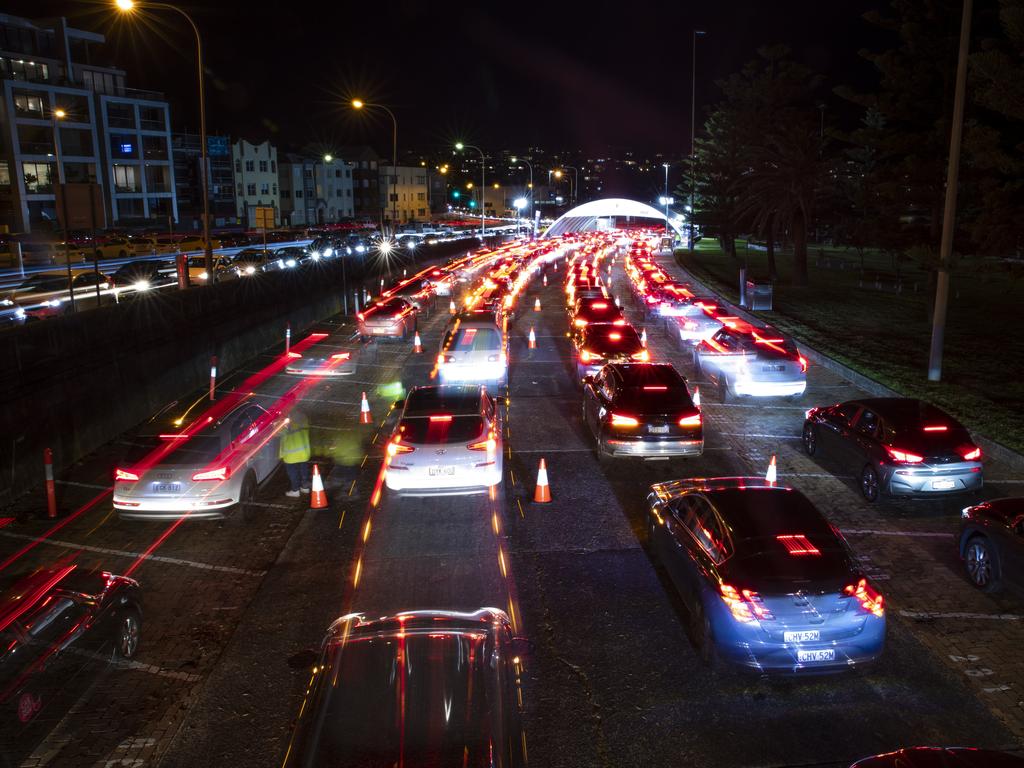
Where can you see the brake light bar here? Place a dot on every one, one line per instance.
(599, 305)
(904, 456)
(125, 476)
(936, 429)
(972, 455)
(615, 336)
(220, 473)
(797, 544)
(443, 418)
(691, 421)
(655, 389)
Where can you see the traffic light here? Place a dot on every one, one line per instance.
(472, 203)
(456, 194)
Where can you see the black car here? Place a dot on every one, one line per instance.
(418, 688)
(991, 543)
(57, 624)
(642, 409)
(145, 275)
(600, 343)
(941, 757)
(896, 445)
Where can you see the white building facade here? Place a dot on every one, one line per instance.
(256, 180)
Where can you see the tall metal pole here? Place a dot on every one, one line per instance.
(666, 198)
(949, 214)
(63, 204)
(693, 125)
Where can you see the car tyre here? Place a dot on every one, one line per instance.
(603, 457)
(698, 371)
(810, 439)
(981, 563)
(246, 497)
(724, 393)
(127, 634)
(870, 487)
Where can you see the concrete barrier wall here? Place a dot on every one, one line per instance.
(76, 382)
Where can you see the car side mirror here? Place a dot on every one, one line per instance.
(303, 659)
(522, 646)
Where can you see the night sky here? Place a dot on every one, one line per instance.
(578, 76)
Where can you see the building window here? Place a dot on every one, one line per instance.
(298, 194)
(238, 166)
(250, 166)
(263, 166)
(239, 190)
(308, 173)
(37, 177)
(120, 115)
(373, 165)
(286, 194)
(348, 193)
(273, 188)
(421, 196)
(152, 118)
(158, 178)
(250, 190)
(348, 173)
(422, 212)
(123, 146)
(337, 173)
(154, 147)
(160, 206)
(28, 106)
(80, 173)
(264, 188)
(129, 208)
(5, 175)
(25, 70)
(273, 166)
(126, 178)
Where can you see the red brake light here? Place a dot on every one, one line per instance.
(220, 473)
(936, 429)
(619, 420)
(642, 356)
(490, 444)
(690, 421)
(599, 305)
(443, 418)
(615, 336)
(125, 476)
(360, 315)
(655, 389)
(803, 363)
(746, 606)
(869, 598)
(395, 448)
(341, 356)
(294, 354)
(973, 455)
(797, 544)
(620, 321)
(587, 356)
(904, 456)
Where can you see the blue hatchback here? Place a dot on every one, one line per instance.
(769, 583)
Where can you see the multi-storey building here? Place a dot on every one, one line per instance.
(404, 193)
(188, 162)
(55, 103)
(315, 191)
(367, 200)
(256, 180)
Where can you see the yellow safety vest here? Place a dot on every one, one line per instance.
(294, 446)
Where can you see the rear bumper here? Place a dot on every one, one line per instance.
(650, 447)
(754, 388)
(934, 482)
(417, 482)
(451, 373)
(173, 509)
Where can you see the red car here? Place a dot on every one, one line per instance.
(392, 318)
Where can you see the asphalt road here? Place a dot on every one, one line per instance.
(615, 680)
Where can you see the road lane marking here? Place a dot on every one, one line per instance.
(916, 534)
(960, 615)
(757, 434)
(133, 555)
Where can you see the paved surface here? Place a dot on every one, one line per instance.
(615, 680)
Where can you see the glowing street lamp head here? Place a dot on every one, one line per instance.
(459, 145)
(328, 158)
(519, 203)
(357, 103)
(514, 159)
(60, 114)
(469, 185)
(125, 5)
(497, 185)
(558, 174)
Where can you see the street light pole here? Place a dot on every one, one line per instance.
(127, 6)
(949, 213)
(359, 104)
(530, 166)
(574, 189)
(665, 165)
(483, 186)
(693, 124)
(58, 114)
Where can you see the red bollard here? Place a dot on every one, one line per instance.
(51, 496)
(213, 375)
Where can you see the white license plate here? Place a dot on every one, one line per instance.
(801, 637)
(166, 487)
(662, 430)
(438, 471)
(943, 485)
(825, 654)
(773, 368)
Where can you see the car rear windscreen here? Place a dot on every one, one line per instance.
(167, 448)
(474, 340)
(668, 400)
(440, 429)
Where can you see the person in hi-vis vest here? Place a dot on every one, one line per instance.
(295, 453)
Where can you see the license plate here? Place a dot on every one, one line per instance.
(662, 430)
(825, 654)
(773, 368)
(437, 471)
(943, 485)
(166, 487)
(801, 637)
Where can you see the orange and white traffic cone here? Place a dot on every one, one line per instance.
(317, 497)
(536, 305)
(533, 339)
(417, 346)
(643, 338)
(772, 474)
(545, 279)
(543, 493)
(451, 307)
(364, 411)
(696, 397)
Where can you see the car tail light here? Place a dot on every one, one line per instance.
(620, 420)
(972, 455)
(341, 356)
(803, 363)
(442, 359)
(395, 448)
(904, 457)
(620, 321)
(655, 389)
(125, 476)
(746, 605)
(870, 600)
(690, 421)
(294, 355)
(444, 418)
(580, 323)
(496, 358)
(360, 315)
(220, 473)
(490, 444)
(599, 305)
(643, 356)
(615, 336)
(798, 544)
(939, 428)
(587, 356)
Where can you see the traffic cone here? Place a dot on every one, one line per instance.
(451, 307)
(533, 339)
(543, 493)
(545, 279)
(772, 474)
(417, 347)
(617, 304)
(364, 411)
(317, 497)
(536, 305)
(643, 337)
(696, 397)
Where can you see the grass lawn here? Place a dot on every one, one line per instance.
(886, 335)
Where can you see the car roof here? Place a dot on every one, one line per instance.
(476, 320)
(457, 400)
(903, 409)
(767, 511)
(648, 374)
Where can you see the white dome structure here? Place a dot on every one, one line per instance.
(587, 217)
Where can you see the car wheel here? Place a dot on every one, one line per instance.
(652, 531)
(723, 390)
(603, 457)
(702, 635)
(810, 439)
(870, 487)
(982, 564)
(126, 639)
(246, 498)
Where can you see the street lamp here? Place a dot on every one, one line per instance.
(519, 203)
(665, 166)
(483, 184)
(360, 104)
(59, 114)
(530, 166)
(127, 6)
(666, 201)
(693, 121)
(574, 189)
